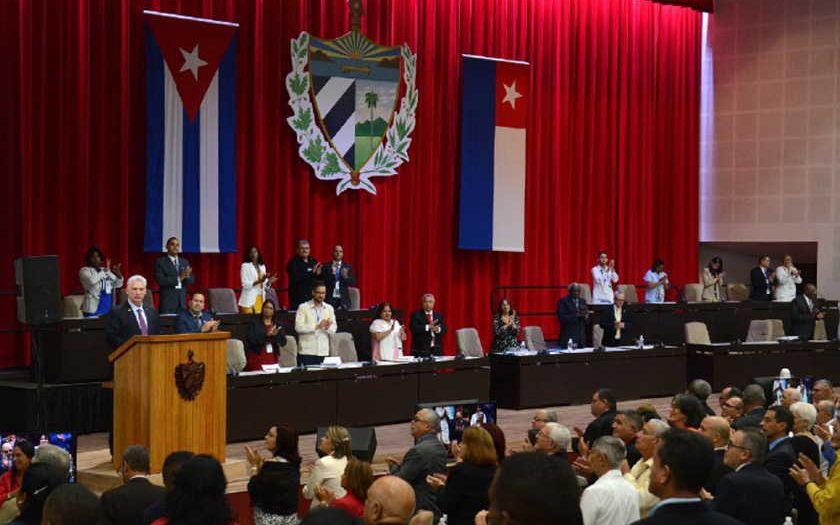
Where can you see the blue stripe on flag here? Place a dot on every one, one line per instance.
(153, 237)
(478, 131)
(190, 228)
(227, 150)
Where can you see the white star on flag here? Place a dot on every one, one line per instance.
(192, 61)
(511, 94)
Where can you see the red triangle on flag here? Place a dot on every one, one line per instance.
(192, 48)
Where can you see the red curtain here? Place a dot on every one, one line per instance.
(612, 147)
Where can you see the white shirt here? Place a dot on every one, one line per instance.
(390, 346)
(602, 279)
(786, 284)
(656, 294)
(612, 500)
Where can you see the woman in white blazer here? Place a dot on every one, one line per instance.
(328, 470)
(787, 277)
(100, 280)
(255, 282)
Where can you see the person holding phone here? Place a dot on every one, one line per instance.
(265, 337)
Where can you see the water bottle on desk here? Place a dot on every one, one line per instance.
(641, 342)
(570, 345)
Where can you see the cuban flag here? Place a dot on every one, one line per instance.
(494, 118)
(190, 128)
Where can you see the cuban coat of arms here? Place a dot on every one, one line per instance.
(344, 95)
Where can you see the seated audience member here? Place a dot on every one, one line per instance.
(198, 495)
(314, 321)
(754, 403)
(790, 396)
(603, 278)
(124, 505)
(787, 277)
(533, 489)
(463, 493)
(603, 407)
(761, 280)
(554, 439)
(733, 409)
(356, 480)
(686, 412)
(71, 504)
(38, 482)
(656, 282)
(337, 449)
(337, 276)
(301, 272)
(573, 312)
(681, 465)
(750, 494)
(427, 329)
(626, 426)
(647, 411)
(726, 393)
(274, 484)
(805, 313)
(329, 516)
(701, 389)
(173, 273)
(171, 465)
(776, 424)
(505, 328)
(499, 440)
(823, 390)
(100, 281)
(717, 430)
(387, 335)
(22, 453)
(611, 500)
(639, 476)
(265, 337)
(541, 417)
(427, 457)
(131, 318)
(823, 493)
(194, 319)
(712, 277)
(390, 499)
(256, 282)
(615, 321)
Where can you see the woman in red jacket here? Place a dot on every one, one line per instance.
(22, 453)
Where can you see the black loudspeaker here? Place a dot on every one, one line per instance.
(362, 441)
(39, 293)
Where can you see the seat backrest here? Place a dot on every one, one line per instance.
(763, 330)
(288, 354)
(222, 300)
(737, 292)
(597, 335)
(342, 345)
(697, 333)
(469, 344)
(820, 333)
(73, 305)
(586, 292)
(693, 292)
(629, 293)
(355, 297)
(534, 339)
(236, 359)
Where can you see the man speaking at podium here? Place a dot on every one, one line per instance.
(131, 318)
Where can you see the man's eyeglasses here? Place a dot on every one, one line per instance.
(733, 445)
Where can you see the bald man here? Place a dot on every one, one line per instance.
(791, 396)
(389, 500)
(716, 429)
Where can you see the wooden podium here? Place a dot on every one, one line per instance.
(170, 393)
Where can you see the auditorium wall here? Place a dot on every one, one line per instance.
(770, 145)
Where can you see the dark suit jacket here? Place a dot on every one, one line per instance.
(574, 327)
(761, 289)
(275, 488)
(608, 324)
(328, 277)
(750, 419)
(256, 339)
(693, 513)
(465, 493)
(301, 277)
(428, 456)
(421, 340)
(752, 495)
(805, 509)
(121, 324)
(171, 299)
(778, 462)
(125, 505)
(719, 470)
(185, 323)
(600, 426)
(802, 319)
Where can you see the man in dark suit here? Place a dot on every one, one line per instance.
(615, 321)
(337, 276)
(805, 313)
(701, 389)
(173, 273)
(626, 426)
(776, 425)
(603, 407)
(751, 494)
(717, 431)
(427, 329)
(125, 505)
(301, 270)
(573, 313)
(194, 320)
(131, 318)
(754, 401)
(761, 280)
(680, 466)
(426, 458)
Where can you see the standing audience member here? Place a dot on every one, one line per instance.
(656, 282)
(714, 285)
(132, 317)
(823, 390)
(701, 389)
(390, 499)
(727, 392)
(356, 480)
(787, 277)
(790, 396)
(603, 407)
(124, 505)
(505, 328)
(198, 497)
(301, 271)
(71, 504)
(733, 408)
(805, 443)
(611, 500)
(626, 427)
(314, 321)
(427, 329)
(275, 482)
(100, 280)
(573, 313)
(255, 281)
(194, 320)
(805, 313)
(603, 278)
(337, 276)
(824, 493)
(38, 482)
(265, 337)
(776, 425)
(328, 469)
(173, 273)
(615, 321)
(754, 403)
(686, 412)
(171, 465)
(647, 440)
(717, 431)
(387, 334)
(761, 280)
